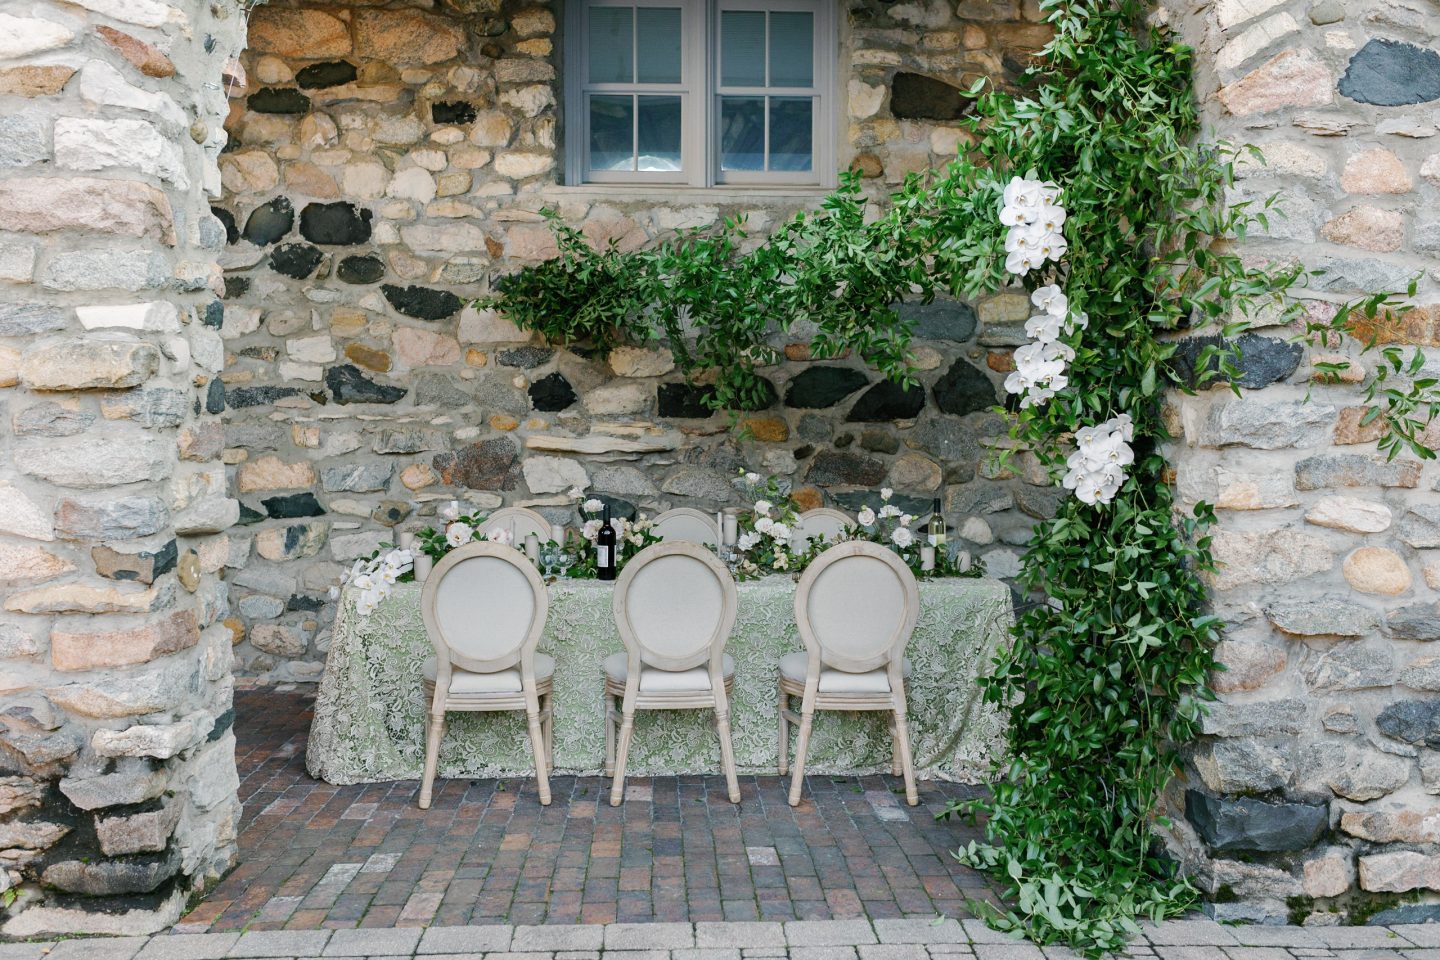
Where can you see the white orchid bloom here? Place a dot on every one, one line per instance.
(1020, 192)
(1021, 262)
(1051, 299)
(1043, 327)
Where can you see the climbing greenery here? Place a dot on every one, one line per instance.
(1106, 677)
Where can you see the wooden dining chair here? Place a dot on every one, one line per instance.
(520, 520)
(484, 607)
(826, 523)
(856, 607)
(686, 524)
(675, 606)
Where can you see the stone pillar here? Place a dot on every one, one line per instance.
(117, 773)
(1313, 796)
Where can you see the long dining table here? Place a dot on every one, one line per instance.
(370, 710)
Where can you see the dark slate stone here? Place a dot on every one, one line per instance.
(854, 500)
(1262, 360)
(817, 387)
(367, 269)
(887, 401)
(964, 389)
(348, 385)
(914, 96)
(296, 260)
(335, 224)
(1389, 73)
(479, 466)
(227, 220)
(278, 100)
(833, 468)
(422, 303)
(684, 400)
(940, 319)
(236, 287)
(1418, 621)
(331, 73)
(1411, 721)
(270, 222)
(1246, 823)
(526, 358)
(1406, 913)
(223, 722)
(618, 508)
(142, 567)
(258, 396)
(453, 111)
(552, 393)
(215, 397)
(214, 315)
(249, 515)
(303, 604)
(292, 506)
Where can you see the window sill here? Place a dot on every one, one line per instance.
(660, 194)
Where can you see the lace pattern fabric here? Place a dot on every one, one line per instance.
(370, 710)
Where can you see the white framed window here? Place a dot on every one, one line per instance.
(700, 93)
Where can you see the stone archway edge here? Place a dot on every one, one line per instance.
(858, 939)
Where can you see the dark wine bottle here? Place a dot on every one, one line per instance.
(937, 526)
(605, 548)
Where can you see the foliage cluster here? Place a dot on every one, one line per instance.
(1106, 679)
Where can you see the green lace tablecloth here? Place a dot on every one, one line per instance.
(370, 712)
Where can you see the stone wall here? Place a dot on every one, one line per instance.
(1315, 795)
(386, 164)
(117, 774)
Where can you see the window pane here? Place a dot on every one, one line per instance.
(659, 133)
(611, 48)
(792, 48)
(612, 132)
(657, 37)
(790, 133)
(742, 133)
(742, 48)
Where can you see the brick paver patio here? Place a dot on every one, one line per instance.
(316, 856)
(794, 940)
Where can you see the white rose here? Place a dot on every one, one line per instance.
(902, 537)
(747, 540)
(762, 507)
(886, 493)
(590, 530)
(593, 506)
(764, 524)
(866, 516)
(779, 531)
(458, 534)
(889, 510)
(752, 478)
(499, 535)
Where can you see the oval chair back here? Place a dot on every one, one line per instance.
(485, 607)
(827, 523)
(855, 607)
(675, 605)
(686, 524)
(521, 520)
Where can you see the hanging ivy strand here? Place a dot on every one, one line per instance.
(1093, 191)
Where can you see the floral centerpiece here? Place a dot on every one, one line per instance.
(630, 538)
(891, 527)
(375, 577)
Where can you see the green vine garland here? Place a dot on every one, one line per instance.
(1107, 680)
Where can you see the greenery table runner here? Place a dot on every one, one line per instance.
(370, 712)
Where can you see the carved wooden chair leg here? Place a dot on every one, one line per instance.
(902, 736)
(784, 751)
(433, 732)
(727, 755)
(542, 762)
(622, 753)
(802, 747)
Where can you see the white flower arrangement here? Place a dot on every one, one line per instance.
(375, 579)
(1032, 212)
(457, 534)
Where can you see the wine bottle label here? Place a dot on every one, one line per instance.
(602, 556)
(937, 539)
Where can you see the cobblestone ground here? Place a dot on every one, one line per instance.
(315, 856)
